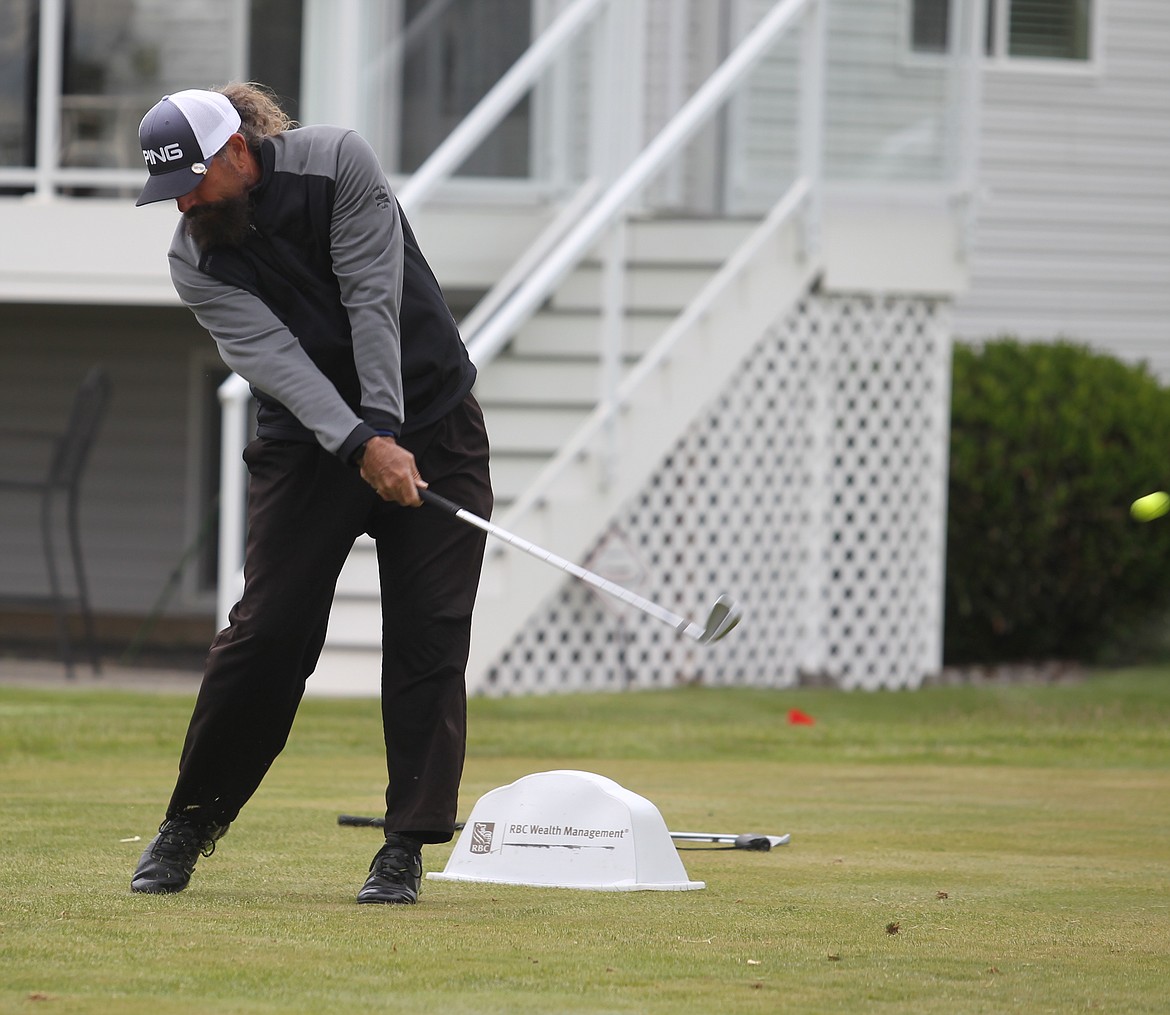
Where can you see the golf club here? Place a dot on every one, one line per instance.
(749, 840)
(724, 615)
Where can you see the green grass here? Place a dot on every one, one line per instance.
(1018, 838)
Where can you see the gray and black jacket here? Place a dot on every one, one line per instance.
(328, 309)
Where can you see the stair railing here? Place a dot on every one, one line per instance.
(517, 302)
(605, 222)
(798, 195)
(692, 117)
(490, 111)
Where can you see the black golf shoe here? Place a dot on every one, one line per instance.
(395, 872)
(168, 862)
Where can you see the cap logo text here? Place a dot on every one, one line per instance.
(170, 153)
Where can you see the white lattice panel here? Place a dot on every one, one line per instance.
(813, 492)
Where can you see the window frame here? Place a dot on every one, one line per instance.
(999, 58)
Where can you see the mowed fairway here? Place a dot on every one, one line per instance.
(973, 849)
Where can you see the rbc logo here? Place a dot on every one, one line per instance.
(170, 153)
(481, 837)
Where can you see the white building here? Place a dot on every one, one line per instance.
(882, 175)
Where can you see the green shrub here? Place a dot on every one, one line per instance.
(1049, 446)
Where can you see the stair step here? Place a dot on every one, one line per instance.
(531, 430)
(512, 474)
(685, 241)
(359, 624)
(359, 576)
(574, 333)
(648, 287)
(346, 670)
(537, 382)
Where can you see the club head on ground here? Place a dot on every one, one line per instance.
(723, 617)
(755, 843)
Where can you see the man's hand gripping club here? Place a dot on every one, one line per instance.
(390, 469)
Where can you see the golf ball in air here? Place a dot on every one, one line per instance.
(1151, 506)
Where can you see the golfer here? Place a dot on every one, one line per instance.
(294, 254)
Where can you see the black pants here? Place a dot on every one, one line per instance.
(305, 509)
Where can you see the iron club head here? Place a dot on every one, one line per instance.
(724, 615)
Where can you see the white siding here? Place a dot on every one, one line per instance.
(884, 113)
(1073, 232)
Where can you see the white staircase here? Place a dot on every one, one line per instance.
(605, 343)
(714, 399)
(698, 296)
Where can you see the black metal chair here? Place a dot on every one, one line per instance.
(61, 484)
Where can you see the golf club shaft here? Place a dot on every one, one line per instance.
(680, 624)
(748, 841)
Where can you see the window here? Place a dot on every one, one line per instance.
(930, 26)
(274, 49)
(18, 77)
(1049, 29)
(1020, 29)
(454, 52)
(117, 58)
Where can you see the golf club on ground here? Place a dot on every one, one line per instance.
(723, 617)
(749, 841)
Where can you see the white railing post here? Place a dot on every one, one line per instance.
(811, 644)
(328, 96)
(612, 339)
(602, 110)
(816, 502)
(812, 119)
(49, 55)
(616, 116)
(241, 31)
(616, 138)
(970, 59)
(234, 396)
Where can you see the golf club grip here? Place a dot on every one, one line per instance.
(362, 821)
(439, 501)
(357, 821)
